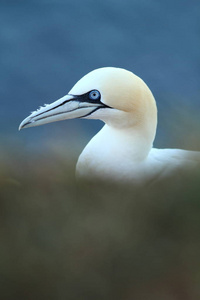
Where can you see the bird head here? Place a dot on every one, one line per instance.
(113, 95)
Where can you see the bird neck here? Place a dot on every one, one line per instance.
(114, 151)
(132, 143)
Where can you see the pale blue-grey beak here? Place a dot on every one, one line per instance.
(68, 107)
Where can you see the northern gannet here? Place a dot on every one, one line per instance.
(123, 149)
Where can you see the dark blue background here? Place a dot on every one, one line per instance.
(46, 46)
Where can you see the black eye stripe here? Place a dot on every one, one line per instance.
(87, 97)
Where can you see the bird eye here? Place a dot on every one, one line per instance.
(94, 95)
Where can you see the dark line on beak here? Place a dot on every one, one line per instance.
(97, 108)
(90, 112)
(74, 99)
(60, 113)
(25, 125)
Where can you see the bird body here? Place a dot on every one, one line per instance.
(123, 149)
(131, 166)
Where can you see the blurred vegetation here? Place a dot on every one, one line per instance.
(64, 240)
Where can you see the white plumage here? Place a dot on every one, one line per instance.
(122, 149)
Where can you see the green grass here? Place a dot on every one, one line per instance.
(63, 240)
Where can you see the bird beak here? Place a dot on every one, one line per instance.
(68, 107)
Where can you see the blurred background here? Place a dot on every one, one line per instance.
(62, 242)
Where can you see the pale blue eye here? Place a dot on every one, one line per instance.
(94, 95)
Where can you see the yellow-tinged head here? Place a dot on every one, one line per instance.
(113, 95)
(121, 90)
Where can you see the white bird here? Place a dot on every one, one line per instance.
(122, 149)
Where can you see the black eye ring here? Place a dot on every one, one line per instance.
(94, 95)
